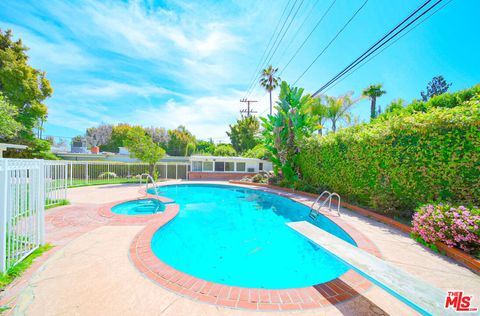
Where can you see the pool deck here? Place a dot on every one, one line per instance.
(90, 271)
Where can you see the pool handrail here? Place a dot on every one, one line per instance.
(154, 185)
(314, 213)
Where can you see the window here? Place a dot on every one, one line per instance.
(229, 166)
(260, 166)
(240, 166)
(208, 166)
(196, 166)
(219, 166)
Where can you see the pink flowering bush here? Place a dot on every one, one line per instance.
(454, 226)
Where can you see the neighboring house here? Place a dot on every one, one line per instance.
(225, 168)
(79, 148)
(192, 168)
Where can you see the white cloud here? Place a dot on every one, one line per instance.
(205, 117)
(109, 89)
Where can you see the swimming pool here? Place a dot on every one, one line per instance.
(139, 207)
(237, 236)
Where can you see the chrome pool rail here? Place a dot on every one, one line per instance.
(154, 185)
(315, 212)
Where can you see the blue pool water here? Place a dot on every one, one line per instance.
(139, 207)
(238, 237)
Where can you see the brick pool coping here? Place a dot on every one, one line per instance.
(345, 287)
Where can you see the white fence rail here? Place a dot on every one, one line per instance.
(22, 205)
(27, 186)
(92, 172)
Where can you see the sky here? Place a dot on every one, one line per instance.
(170, 63)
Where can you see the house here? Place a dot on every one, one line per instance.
(225, 168)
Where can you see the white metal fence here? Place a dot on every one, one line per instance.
(92, 172)
(27, 186)
(22, 205)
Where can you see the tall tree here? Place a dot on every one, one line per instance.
(269, 81)
(25, 88)
(159, 135)
(285, 131)
(224, 150)
(319, 110)
(118, 138)
(244, 134)
(179, 140)
(337, 109)
(98, 136)
(438, 85)
(373, 92)
(9, 127)
(141, 146)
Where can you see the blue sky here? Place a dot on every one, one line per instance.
(166, 63)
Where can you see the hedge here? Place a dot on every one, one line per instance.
(398, 164)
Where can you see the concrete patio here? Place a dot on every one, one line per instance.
(89, 271)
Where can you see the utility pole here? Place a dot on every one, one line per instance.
(247, 110)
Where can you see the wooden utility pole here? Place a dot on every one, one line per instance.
(247, 110)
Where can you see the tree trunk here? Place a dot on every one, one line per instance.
(373, 108)
(270, 102)
(334, 125)
(152, 170)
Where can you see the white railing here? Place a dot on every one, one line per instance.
(56, 175)
(104, 172)
(22, 205)
(27, 186)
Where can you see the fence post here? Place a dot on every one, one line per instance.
(66, 181)
(3, 217)
(86, 172)
(71, 173)
(41, 201)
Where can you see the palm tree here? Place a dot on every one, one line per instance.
(373, 92)
(269, 81)
(319, 110)
(336, 109)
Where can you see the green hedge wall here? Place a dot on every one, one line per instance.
(398, 164)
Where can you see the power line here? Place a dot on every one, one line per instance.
(284, 33)
(332, 40)
(377, 45)
(307, 17)
(281, 39)
(396, 40)
(306, 39)
(257, 68)
(263, 59)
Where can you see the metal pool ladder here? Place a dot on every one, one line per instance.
(328, 200)
(154, 185)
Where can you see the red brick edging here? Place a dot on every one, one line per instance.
(345, 287)
(453, 253)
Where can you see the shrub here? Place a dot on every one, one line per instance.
(399, 164)
(454, 226)
(104, 175)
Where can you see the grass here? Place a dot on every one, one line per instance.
(91, 182)
(17, 270)
(58, 203)
(82, 183)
